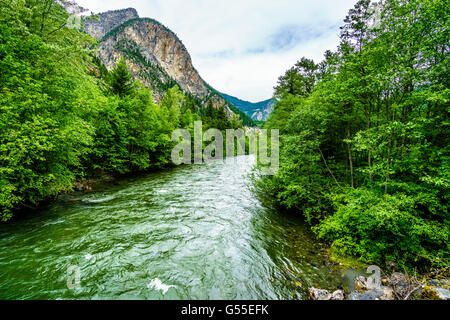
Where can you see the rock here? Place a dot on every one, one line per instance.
(337, 295)
(382, 293)
(361, 284)
(388, 293)
(397, 278)
(82, 186)
(108, 21)
(319, 294)
(361, 296)
(443, 294)
(435, 293)
(443, 283)
(401, 284)
(163, 59)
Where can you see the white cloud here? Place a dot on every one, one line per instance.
(241, 47)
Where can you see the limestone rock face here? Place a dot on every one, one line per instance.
(154, 54)
(108, 21)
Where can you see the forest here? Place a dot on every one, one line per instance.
(65, 117)
(364, 133)
(364, 137)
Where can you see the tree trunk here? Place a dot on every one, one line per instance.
(350, 159)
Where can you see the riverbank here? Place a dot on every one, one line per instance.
(197, 229)
(397, 286)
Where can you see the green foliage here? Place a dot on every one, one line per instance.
(298, 81)
(384, 228)
(63, 115)
(154, 73)
(120, 81)
(249, 107)
(43, 136)
(365, 144)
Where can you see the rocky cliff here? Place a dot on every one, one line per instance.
(108, 21)
(154, 54)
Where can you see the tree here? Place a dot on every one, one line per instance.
(120, 80)
(299, 80)
(364, 151)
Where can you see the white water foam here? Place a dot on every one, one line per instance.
(158, 285)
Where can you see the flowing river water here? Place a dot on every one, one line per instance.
(193, 232)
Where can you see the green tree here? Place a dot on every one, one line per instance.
(364, 151)
(120, 80)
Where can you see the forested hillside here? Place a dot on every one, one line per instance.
(64, 116)
(258, 111)
(155, 55)
(365, 136)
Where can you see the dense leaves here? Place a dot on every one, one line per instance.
(64, 116)
(365, 144)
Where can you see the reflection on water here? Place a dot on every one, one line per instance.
(194, 232)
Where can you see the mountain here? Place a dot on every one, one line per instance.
(257, 111)
(154, 55)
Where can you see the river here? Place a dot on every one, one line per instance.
(192, 232)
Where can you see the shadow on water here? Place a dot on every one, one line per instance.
(193, 232)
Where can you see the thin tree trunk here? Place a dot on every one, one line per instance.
(328, 168)
(350, 159)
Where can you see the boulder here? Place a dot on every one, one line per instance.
(337, 295)
(404, 287)
(361, 284)
(435, 293)
(388, 293)
(382, 293)
(319, 294)
(369, 295)
(398, 278)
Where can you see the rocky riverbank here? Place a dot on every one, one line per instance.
(397, 286)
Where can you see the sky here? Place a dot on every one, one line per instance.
(241, 47)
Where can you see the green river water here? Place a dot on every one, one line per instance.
(193, 232)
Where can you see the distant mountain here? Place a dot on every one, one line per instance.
(154, 55)
(257, 111)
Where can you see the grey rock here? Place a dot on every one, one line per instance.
(443, 294)
(435, 293)
(337, 295)
(382, 293)
(162, 57)
(108, 21)
(319, 294)
(361, 284)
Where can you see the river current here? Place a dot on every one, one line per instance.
(192, 232)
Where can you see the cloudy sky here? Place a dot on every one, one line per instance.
(241, 47)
